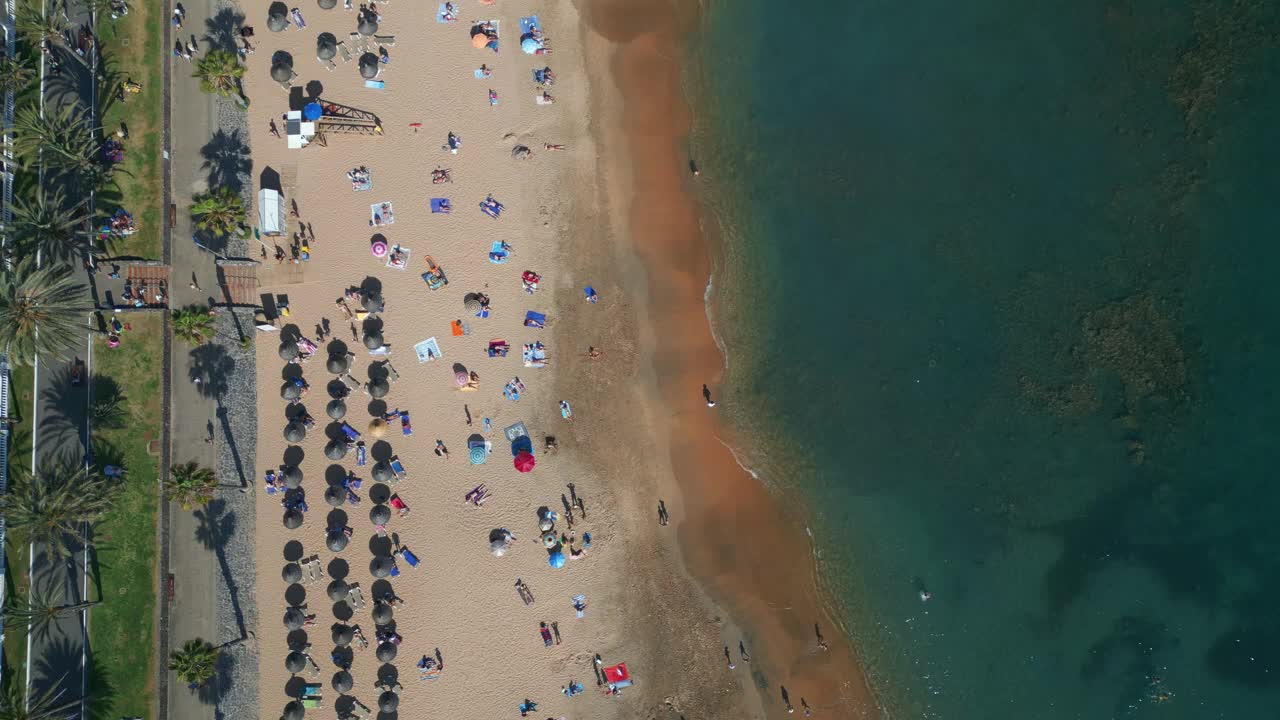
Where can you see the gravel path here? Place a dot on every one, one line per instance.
(238, 679)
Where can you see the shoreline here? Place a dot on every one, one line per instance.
(723, 558)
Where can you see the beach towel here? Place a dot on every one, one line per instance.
(379, 217)
(375, 84)
(362, 185)
(535, 320)
(518, 430)
(534, 356)
(590, 294)
(529, 24)
(405, 254)
(541, 99)
(457, 329)
(580, 604)
(440, 205)
(406, 428)
(498, 254)
(428, 350)
(441, 12)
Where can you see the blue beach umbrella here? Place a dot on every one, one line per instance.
(556, 559)
(530, 45)
(477, 455)
(312, 111)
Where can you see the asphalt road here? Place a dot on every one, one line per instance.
(56, 657)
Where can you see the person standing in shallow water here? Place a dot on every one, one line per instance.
(706, 395)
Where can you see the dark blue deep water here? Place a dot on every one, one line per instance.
(997, 289)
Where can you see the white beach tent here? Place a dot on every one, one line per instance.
(270, 212)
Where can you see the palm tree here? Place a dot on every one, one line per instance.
(219, 211)
(63, 139)
(219, 72)
(15, 76)
(193, 324)
(38, 611)
(195, 663)
(190, 484)
(15, 704)
(46, 224)
(60, 502)
(43, 27)
(40, 313)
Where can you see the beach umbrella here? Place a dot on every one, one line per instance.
(368, 70)
(379, 514)
(478, 455)
(288, 351)
(377, 427)
(382, 614)
(381, 471)
(479, 40)
(294, 662)
(276, 23)
(312, 111)
(289, 391)
(327, 5)
(549, 540)
(336, 540)
(530, 45)
(373, 340)
(281, 72)
(293, 519)
(556, 559)
(342, 681)
(294, 618)
(335, 450)
(342, 635)
(366, 25)
(293, 711)
(472, 305)
(381, 566)
(338, 364)
(498, 548)
(336, 409)
(335, 496)
(378, 388)
(387, 652)
(388, 674)
(460, 378)
(524, 461)
(295, 431)
(293, 477)
(388, 702)
(292, 572)
(338, 590)
(520, 152)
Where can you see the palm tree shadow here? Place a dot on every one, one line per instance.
(222, 31)
(57, 668)
(226, 157)
(100, 691)
(63, 423)
(215, 525)
(212, 692)
(214, 367)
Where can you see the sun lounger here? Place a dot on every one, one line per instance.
(360, 709)
(350, 432)
(397, 467)
(312, 703)
(440, 206)
(428, 350)
(380, 85)
(388, 40)
(350, 382)
(355, 597)
(312, 690)
(535, 320)
(407, 555)
(312, 668)
(359, 42)
(406, 427)
(346, 54)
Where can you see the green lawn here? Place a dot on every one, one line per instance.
(121, 629)
(131, 49)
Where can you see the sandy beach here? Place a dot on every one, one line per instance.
(611, 211)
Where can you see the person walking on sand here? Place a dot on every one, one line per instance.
(706, 395)
(728, 658)
(742, 648)
(807, 711)
(822, 642)
(662, 513)
(275, 131)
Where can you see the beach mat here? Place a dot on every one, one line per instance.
(529, 24)
(479, 74)
(518, 430)
(440, 12)
(437, 205)
(389, 218)
(428, 350)
(537, 317)
(407, 255)
(375, 84)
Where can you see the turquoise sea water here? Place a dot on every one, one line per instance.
(998, 294)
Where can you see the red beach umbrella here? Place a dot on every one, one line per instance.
(524, 461)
